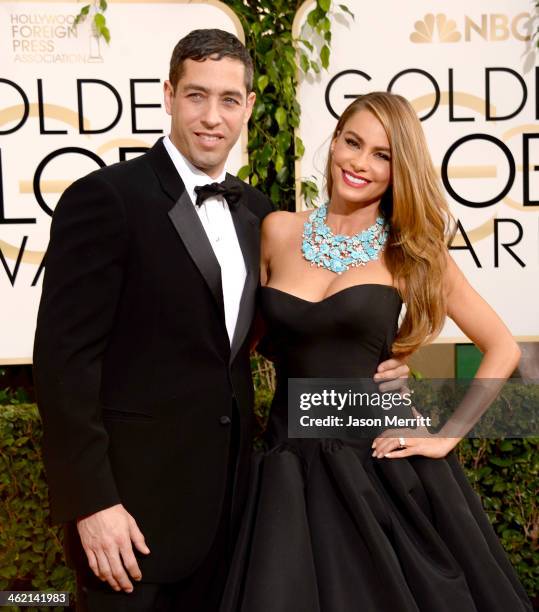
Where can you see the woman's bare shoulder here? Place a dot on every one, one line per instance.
(280, 225)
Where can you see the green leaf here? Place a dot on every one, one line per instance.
(275, 193)
(258, 110)
(290, 53)
(244, 172)
(324, 25)
(345, 9)
(99, 21)
(105, 33)
(284, 139)
(304, 62)
(103, 5)
(267, 123)
(501, 462)
(312, 18)
(282, 175)
(324, 56)
(315, 67)
(273, 73)
(300, 147)
(324, 5)
(265, 156)
(309, 191)
(307, 44)
(280, 116)
(262, 82)
(85, 10)
(293, 120)
(279, 163)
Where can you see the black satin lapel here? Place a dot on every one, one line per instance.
(248, 233)
(185, 219)
(165, 170)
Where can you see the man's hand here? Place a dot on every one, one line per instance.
(395, 372)
(106, 537)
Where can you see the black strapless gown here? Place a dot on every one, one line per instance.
(328, 527)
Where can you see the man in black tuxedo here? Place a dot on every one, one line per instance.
(142, 356)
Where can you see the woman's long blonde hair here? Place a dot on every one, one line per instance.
(418, 214)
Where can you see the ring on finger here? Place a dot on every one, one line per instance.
(402, 443)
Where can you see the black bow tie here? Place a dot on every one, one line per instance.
(231, 193)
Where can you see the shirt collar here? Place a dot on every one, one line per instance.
(191, 176)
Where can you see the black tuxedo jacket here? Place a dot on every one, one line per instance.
(136, 379)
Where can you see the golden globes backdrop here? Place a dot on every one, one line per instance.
(70, 103)
(470, 71)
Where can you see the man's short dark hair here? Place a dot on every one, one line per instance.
(215, 44)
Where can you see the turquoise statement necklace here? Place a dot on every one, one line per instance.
(338, 253)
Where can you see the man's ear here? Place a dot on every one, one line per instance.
(168, 93)
(249, 105)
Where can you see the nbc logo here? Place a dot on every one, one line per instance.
(493, 27)
(424, 30)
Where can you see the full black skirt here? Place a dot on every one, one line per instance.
(329, 528)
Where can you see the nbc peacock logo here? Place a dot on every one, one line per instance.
(426, 28)
(490, 27)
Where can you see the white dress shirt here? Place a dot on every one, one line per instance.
(216, 219)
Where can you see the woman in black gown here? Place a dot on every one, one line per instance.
(368, 526)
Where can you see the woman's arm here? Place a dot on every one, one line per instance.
(501, 355)
(482, 325)
(274, 234)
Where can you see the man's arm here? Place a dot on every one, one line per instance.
(81, 289)
(83, 276)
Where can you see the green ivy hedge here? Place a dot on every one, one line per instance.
(30, 550)
(272, 146)
(504, 472)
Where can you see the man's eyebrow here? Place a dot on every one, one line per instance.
(229, 92)
(196, 87)
(232, 92)
(358, 137)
